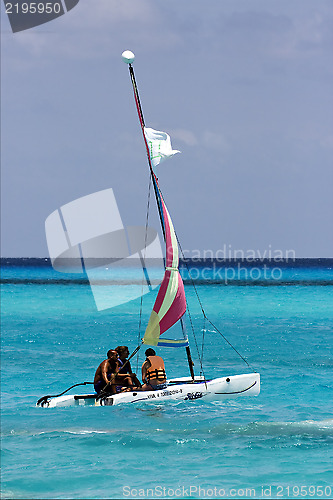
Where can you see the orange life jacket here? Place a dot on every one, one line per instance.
(157, 368)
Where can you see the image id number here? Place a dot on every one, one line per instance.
(303, 491)
(33, 8)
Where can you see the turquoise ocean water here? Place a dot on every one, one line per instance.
(278, 445)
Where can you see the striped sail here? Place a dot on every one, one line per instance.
(170, 304)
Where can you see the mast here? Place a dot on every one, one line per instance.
(128, 57)
(188, 351)
(142, 123)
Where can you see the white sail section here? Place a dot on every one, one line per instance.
(159, 144)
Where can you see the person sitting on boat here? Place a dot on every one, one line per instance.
(105, 373)
(125, 369)
(153, 372)
(106, 376)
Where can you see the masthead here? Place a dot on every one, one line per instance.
(128, 56)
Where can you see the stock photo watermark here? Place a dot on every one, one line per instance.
(87, 236)
(217, 274)
(195, 491)
(25, 15)
(230, 265)
(122, 263)
(251, 255)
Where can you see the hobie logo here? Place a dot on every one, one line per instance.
(87, 235)
(24, 15)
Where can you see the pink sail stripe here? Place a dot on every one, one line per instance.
(174, 306)
(166, 220)
(168, 261)
(177, 309)
(162, 292)
(168, 240)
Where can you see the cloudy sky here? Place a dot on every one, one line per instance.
(244, 88)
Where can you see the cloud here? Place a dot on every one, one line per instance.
(247, 40)
(215, 140)
(185, 136)
(250, 79)
(95, 30)
(310, 34)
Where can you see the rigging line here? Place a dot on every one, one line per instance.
(127, 360)
(136, 95)
(203, 311)
(104, 391)
(195, 339)
(142, 124)
(153, 176)
(188, 270)
(138, 347)
(192, 281)
(143, 275)
(187, 348)
(203, 339)
(187, 306)
(230, 345)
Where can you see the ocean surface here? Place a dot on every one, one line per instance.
(276, 445)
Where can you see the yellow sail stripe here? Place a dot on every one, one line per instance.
(170, 294)
(175, 260)
(152, 333)
(172, 341)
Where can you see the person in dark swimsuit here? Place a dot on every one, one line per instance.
(105, 373)
(125, 369)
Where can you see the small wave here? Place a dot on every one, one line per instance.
(204, 428)
(274, 429)
(43, 281)
(192, 440)
(8, 494)
(85, 432)
(56, 432)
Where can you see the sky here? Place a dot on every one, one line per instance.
(243, 87)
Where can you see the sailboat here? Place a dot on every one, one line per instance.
(169, 308)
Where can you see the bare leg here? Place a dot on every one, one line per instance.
(147, 387)
(110, 388)
(124, 381)
(136, 381)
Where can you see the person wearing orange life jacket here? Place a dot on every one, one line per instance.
(153, 372)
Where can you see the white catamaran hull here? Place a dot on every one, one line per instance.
(179, 389)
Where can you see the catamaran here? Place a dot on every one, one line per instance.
(169, 308)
